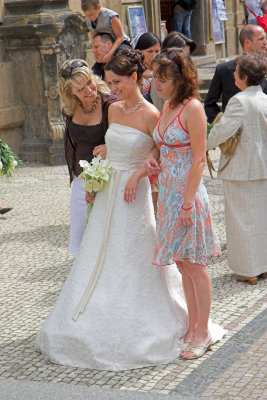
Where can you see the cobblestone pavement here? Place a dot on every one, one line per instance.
(33, 267)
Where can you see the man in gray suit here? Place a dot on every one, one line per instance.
(253, 41)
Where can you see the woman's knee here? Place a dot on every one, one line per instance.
(194, 270)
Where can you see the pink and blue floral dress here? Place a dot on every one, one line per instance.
(174, 242)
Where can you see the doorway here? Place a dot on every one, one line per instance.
(166, 13)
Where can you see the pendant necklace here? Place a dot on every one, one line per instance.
(128, 110)
(92, 109)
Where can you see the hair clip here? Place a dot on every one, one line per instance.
(66, 73)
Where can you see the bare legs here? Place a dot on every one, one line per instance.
(197, 289)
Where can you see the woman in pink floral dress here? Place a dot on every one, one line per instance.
(185, 233)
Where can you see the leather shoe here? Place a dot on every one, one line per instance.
(252, 280)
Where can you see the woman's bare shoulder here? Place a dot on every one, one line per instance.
(151, 110)
(194, 107)
(194, 104)
(116, 105)
(114, 108)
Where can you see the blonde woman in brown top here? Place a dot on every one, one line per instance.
(85, 100)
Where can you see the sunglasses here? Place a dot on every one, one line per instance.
(66, 73)
(173, 57)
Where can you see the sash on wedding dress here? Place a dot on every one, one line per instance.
(98, 267)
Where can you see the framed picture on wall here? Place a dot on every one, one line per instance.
(136, 22)
(218, 26)
(163, 30)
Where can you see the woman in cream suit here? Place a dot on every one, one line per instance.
(245, 177)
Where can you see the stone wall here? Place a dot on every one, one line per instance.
(37, 37)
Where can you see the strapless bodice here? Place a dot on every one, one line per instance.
(127, 146)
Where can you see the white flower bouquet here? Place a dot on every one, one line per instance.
(8, 160)
(95, 174)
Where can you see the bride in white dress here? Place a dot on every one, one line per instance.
(116, 310)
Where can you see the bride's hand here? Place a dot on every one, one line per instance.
(151, 166)
(100, 150)
(130, 188)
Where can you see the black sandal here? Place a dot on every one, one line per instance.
(5, 210)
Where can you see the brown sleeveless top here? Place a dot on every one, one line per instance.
(80, 140)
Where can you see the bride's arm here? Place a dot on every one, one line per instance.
(151, 164)
(131, 186)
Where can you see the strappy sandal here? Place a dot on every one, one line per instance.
(185, 346)
(197, 351)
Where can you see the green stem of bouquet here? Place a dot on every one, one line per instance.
(89, 209)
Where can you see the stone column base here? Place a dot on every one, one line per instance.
(44, 151)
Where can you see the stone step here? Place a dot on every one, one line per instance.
(204, 60)
(205, 75)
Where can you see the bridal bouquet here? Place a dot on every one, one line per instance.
(95, 174)
(8, 160)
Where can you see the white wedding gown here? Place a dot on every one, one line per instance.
(134, 314)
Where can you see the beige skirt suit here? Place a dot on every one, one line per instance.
(245, 181)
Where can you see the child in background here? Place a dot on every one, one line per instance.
(104, 20)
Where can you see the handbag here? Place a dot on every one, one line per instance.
(261, 21)
(227, 148)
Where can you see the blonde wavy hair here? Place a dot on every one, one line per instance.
(77, 79)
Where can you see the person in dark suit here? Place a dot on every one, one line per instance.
(253, 41)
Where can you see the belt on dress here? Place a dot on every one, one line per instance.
(101, 256)
(175, 145)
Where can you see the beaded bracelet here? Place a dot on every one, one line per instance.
(186, 209)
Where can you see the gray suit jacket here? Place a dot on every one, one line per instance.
(246, 110)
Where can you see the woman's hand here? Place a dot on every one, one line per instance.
(100, 150)
(130, 188)
(88, 197)
(151, 166)
(186, 216)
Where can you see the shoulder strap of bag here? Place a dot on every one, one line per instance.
(211, 167)
(209, 162)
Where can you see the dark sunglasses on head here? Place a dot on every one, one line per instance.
(66, 73)
(173, 57)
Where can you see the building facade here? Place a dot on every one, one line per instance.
(36, 36)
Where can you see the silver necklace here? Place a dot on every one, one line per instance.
(128, 110)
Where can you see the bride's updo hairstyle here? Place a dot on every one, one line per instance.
(126, 62)
(175, 64)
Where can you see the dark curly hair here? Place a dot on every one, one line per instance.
(175, 64)
(253, 67)
(126, 62)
